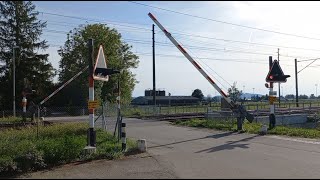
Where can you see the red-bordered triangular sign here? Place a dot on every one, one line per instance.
(275, 73)
(100, 66)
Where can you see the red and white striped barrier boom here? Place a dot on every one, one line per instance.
(195, 64)
(63, 85)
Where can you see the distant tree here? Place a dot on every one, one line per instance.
(303, 96)
(234, 93)
(265, 97)
(20, 27)
(198, 94)
(312, 96)
(290, 96)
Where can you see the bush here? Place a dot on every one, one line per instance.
(30, 160)
(61, 150)
(7, 165)
(22, 151)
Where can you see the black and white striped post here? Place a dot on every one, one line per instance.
(123, 136)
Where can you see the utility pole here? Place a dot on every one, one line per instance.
(279, 83)
(154, 69)
(316, 90)
(14, 80)
(296, 74)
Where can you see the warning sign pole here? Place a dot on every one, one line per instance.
(91, 141)
(272, 95)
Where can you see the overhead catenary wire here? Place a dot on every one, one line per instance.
(206, 65)
(221, 39)
(224, 22)
(308, 65)
(231, 51)
(206, 48)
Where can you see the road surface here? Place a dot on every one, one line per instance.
(202, 153)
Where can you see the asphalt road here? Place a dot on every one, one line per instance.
(202, 153)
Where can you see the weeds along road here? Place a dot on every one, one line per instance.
(202, 153)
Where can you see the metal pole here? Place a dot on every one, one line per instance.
(14, 80)
(103, 123)
(296, 75)
(123, 136)
(91, 132)
(38, 119)
(119, 115)
(279, 83)
(24, 104)
(154, 68)
(272, 109)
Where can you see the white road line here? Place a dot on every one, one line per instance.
(309, 141)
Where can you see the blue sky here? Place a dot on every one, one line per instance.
(174, 73)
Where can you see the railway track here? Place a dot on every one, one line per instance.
(264, 112)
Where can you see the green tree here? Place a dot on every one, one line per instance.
(74, 57)
(312, 96)
(303, 96)
(290, 96)
(234, 93)
(20, 27)
(198, 94)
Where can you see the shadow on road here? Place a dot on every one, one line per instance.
(229, 145)
(215, 136)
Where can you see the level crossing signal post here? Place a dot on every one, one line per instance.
(275, 74)
(97, 72)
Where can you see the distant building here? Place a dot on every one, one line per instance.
(161, 99)
(149, 92)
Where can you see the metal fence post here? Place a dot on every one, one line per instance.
(123, 136)
(38, 119)
(310, 108)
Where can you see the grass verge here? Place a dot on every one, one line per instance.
(21, 151)
(252, 128)
(10, 119)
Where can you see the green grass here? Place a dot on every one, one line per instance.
(10, 119)
(252, 128)
(22, 151)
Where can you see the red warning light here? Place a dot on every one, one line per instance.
(271, 77)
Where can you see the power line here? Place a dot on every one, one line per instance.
(224, 22)
(184, 34)
(308, 65)
(191, 47)
(209, 68)
(208, 58)
(307, 60)
(194, 47)
(86, 19)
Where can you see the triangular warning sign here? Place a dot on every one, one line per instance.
(276, 74)
(100, 66)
